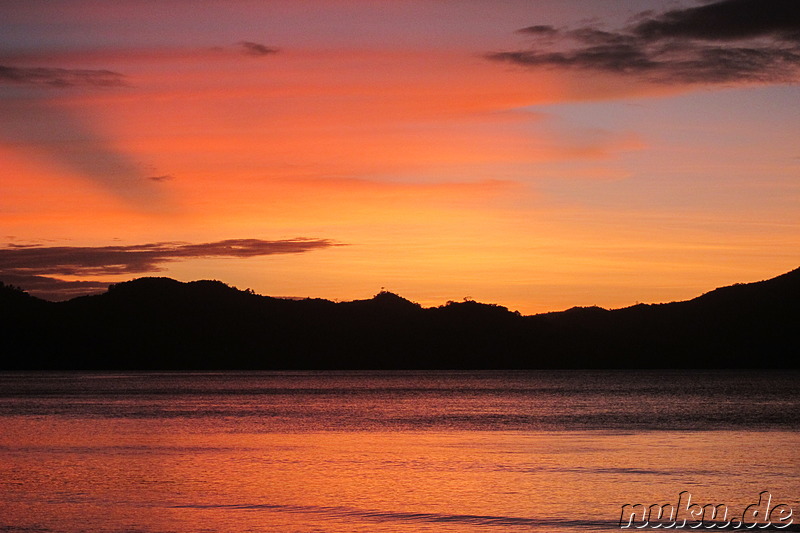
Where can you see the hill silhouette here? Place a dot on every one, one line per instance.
(160, 323)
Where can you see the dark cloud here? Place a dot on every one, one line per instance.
(137, 259)
(539, 30)
(32, 267)
(164, 177)
(724, 41)
(726, 20)
(256, 49)
(60, 77)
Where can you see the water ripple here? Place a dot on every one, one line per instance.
(399, 516)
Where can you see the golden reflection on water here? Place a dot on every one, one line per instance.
(98, 474)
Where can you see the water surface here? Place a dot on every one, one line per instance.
(386, 451)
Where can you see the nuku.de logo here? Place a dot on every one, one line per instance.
(686, 514)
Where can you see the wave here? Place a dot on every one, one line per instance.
(404, 516)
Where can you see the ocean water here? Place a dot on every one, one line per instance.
(389, 451)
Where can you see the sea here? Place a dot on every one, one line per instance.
(395, 451)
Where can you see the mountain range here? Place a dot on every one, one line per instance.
(163, 324)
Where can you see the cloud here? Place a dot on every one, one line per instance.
(256, 49)
(60, 77)
(727, 20)
(137, 259)
(724, 41)
(164, 177)
(39, 116)
(32, 267)
(34, 119)
(66, 139)
(540, 30)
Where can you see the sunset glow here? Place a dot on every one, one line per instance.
(440, 150)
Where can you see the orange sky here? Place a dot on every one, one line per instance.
(445, 152)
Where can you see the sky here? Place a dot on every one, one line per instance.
(537, 154)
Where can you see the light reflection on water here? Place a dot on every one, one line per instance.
(381, 452)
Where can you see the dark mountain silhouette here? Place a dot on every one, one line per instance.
(160, 323)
